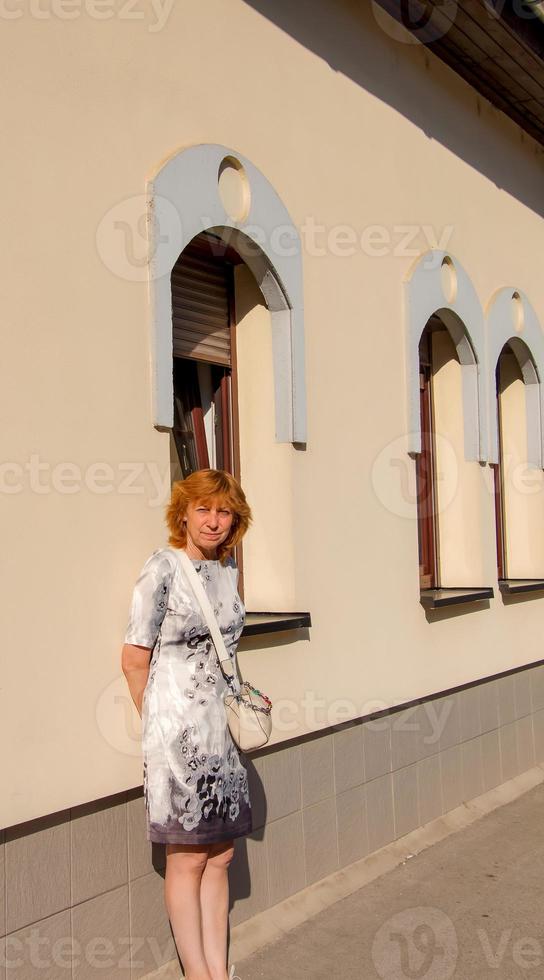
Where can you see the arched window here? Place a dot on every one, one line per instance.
(218, 232)
(438, 286)
(448, 432)
(446, 482)
(210, 188)
(516, 367)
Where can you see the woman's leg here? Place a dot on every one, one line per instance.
(185, 864)
(214, 898)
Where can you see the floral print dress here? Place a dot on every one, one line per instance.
(195, 782)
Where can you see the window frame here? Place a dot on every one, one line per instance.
(498, 482)
(426, 472)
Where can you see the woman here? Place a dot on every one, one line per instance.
(195, 782)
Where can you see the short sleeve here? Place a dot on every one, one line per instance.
(149, 600)
(231, 563)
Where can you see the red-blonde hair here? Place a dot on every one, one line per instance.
(205, 487)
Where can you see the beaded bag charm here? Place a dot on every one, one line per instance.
(266, 708)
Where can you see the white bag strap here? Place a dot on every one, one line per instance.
(209, 616)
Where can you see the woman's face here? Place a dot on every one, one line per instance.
(208, 525)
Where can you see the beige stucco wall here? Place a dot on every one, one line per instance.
(348, 137)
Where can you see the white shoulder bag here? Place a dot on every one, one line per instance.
(249, 710)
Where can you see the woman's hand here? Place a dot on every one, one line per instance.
(135, 666)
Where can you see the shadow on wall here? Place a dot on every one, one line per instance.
(347, 35)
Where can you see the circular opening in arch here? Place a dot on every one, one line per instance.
(448, 278)
(233, 188)
(517, 312)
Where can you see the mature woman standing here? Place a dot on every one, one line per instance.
(195, 782)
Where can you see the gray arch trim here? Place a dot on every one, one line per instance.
(464, 319)
(528, 346)
(183, 200)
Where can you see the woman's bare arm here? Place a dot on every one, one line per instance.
(135, 665)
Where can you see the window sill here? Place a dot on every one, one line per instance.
(274, 622)
(436, 598)
(515, 586)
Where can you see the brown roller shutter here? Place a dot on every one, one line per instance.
(201, 305)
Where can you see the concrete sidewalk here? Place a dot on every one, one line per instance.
(469, 907)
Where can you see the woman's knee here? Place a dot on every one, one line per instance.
(221, 854)
(186, 858)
